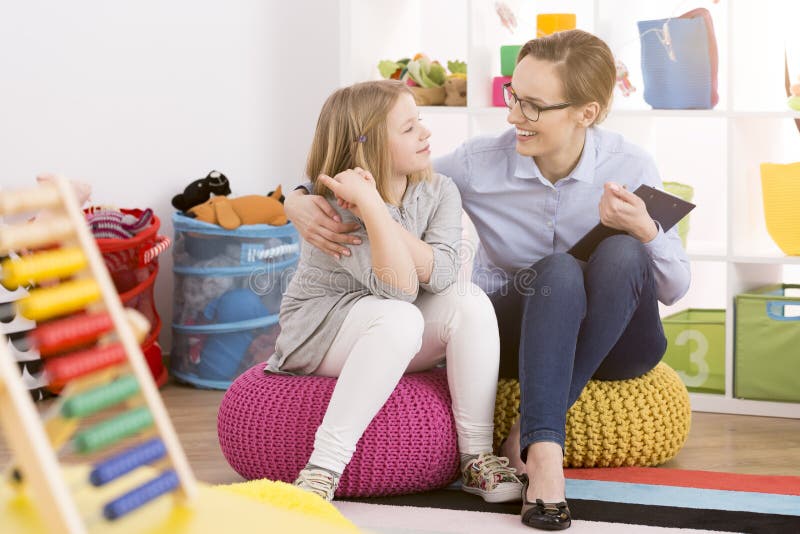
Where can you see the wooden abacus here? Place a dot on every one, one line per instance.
(89, 343)
(91, 355)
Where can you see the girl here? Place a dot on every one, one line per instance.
(532, 192)
(392, 306)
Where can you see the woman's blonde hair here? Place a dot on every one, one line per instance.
(584, 62)
(352, 132)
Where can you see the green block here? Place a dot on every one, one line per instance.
(696, 348)
(508, 59)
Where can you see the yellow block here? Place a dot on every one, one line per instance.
(48, 302)
(42, 266)
(550, 23)
(214, 511)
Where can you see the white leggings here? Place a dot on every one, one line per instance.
(381, 339)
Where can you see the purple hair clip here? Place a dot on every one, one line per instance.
(361, 139)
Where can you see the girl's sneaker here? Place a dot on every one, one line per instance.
(490, 477)
(318, 481)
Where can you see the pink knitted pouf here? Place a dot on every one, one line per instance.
(266, 426)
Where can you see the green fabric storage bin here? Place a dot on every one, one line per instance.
(767, 344)
(686, 192)
(696, 348)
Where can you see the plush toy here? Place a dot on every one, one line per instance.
(623, 82)
(429, 81)
(262, 346)
(198, 291)
(222, 354)
(507, 17)
(281, 198)
(455, 86)
(794, 98)
(426, 73)
(455, 92)
(199, 191)
(107, 223)
(394, 70)
(231, 213)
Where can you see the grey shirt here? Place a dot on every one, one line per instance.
(324, 289)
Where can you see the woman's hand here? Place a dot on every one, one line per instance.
(622, 210)
(319, 224)
(353, 188)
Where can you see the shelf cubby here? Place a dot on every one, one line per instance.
(716, 151)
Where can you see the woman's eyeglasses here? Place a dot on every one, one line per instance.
(530, 110)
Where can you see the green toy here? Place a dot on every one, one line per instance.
(395, 70)
(794, 94)
(458, 69)
(426, 73)
(421, 71)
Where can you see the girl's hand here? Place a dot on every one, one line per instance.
(319, 224)
(622, 210)
(345, 204)
(353, 188)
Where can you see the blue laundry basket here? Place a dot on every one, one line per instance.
(685, 80)
(228, 288)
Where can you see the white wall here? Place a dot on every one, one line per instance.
(138, 98)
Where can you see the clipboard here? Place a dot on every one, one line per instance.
(664, 208)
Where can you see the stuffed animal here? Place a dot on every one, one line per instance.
(455, 91)
(231, 213)
(429, 81)
(198, 291)
(106, 223)
(455, 85)
(262, 347)
(222, 354)
(199, 191)
(623, 82)
(281, 198)
(794, 97)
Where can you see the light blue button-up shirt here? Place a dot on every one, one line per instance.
(521, 217)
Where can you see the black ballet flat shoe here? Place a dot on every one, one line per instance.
(544, 515)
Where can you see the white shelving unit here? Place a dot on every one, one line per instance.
(716, 151)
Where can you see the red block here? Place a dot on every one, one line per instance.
(497, 90)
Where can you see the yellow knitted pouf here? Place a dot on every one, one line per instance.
(643, 421)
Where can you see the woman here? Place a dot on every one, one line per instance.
(532, 192)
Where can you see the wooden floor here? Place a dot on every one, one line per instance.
(730, 443)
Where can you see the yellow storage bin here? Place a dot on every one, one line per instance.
(781, 191)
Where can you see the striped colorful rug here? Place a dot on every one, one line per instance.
(605, 500)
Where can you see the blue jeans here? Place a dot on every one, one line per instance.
(564, 321)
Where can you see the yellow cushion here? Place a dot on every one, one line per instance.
(290, 497)
(643, 421)
(251, 506)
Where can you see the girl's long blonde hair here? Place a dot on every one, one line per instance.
(352, 132)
